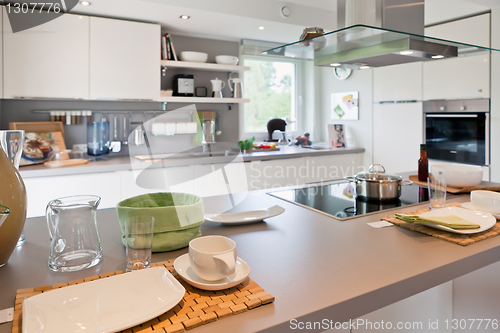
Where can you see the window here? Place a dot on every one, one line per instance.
(271, 87)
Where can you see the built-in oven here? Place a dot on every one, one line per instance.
(458, 130)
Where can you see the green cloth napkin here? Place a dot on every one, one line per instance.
(450, 221)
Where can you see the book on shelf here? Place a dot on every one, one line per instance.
(164, 48)
(169, 48)
(172, 47)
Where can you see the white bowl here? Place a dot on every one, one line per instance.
(193, 56)
(458, 175)
(486, 201)
(226, 60)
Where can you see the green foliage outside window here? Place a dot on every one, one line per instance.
(270, 86)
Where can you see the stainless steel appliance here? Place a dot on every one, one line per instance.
(338, 199)
(458, 130)
(183, 85)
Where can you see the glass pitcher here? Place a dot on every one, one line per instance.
(74, 239)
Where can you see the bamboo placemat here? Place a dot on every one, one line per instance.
(488, 186)
(459, 239)
(198, 307)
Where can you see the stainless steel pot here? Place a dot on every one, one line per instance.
(377, 185)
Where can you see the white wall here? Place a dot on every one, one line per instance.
(361, 130)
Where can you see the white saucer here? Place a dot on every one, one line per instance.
(246, 217)
(183, 267)
(469, 205)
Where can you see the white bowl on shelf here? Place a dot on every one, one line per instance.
(193, 56)
(458, 175)
(226, 60)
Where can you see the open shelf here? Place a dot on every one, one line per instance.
(181, 99)
(203, 66)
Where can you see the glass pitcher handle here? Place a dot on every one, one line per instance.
(50, 223)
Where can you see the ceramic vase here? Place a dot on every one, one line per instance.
(12, 195)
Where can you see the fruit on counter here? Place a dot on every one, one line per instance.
(265, 146)
(247, 144)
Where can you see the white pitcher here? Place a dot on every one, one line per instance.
(217, 86)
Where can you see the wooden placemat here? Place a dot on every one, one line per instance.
(488, 186)
(197, 307)
(459, 239)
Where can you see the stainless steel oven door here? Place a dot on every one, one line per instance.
(458, 137)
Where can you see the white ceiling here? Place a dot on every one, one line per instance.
(227, 19)
(237, 19)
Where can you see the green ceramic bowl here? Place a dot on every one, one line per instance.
(178, 217)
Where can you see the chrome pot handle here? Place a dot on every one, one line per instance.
(406, 182)
(376, 165)
(350, 178)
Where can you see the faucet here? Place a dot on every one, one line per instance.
(206, 147)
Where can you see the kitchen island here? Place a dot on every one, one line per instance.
(317, 267)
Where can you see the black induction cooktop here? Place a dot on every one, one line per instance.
(338, 199)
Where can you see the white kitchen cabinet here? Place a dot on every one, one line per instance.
(41, 190)
(330, 167)
(280, 172)
(397, 135)
(222, 179)
(175, 179)
(458, 78)
(398, 83)
(477, 296)
(463, 77)
(472, 30)
(124, 59)
(414, 313)
(50, 60)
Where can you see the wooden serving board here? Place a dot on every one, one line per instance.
(460, 239)
(65, 163)
(483, 186)
(197, 307)
(260, 150)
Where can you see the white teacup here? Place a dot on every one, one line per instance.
(486, 201)
(212, 257)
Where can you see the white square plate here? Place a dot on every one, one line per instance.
(105, 305)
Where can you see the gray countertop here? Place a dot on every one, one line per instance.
(119, 163)
(317, 267)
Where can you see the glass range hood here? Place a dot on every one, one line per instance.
(362, 46)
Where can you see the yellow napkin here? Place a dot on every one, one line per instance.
(450, 221)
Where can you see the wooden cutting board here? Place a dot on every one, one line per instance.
(66, 163)
(489, 186)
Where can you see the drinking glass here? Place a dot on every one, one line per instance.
(282, 141)
(437, 192)
(139, 241)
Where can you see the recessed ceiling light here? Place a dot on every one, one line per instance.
(261, 27)
(364, 67)
(185, 17)
(336, 64)
(439, 56)
(85, 3)
(406, 52)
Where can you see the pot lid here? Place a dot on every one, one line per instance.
(377, 175)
